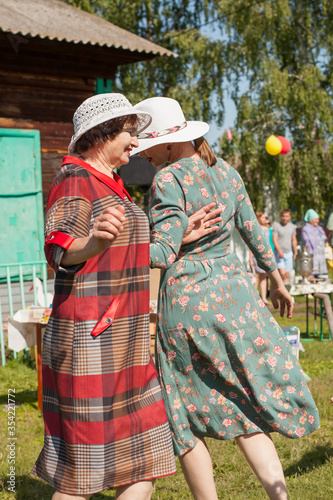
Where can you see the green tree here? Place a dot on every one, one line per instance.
(281, 48)
(284, 50)
(195, 77)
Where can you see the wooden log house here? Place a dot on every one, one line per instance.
(53, 56)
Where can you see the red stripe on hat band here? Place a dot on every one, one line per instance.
(167, 131)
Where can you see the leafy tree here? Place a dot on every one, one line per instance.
(284, 49)
(281, 48)
(194, 77)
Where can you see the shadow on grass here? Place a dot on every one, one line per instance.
(22, 397)
(309, 461)
(30, 488)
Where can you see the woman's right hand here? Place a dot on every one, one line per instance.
(108, 225)
(201, 223)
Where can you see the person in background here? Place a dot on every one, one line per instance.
(285, 244)
(270, 230)
(227, 370)
(261, 276)
(329, 227)
(329, 254)
(314, 238)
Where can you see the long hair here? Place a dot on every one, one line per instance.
(203, 149)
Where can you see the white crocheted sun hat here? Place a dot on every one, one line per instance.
(168, 124)
(100, 109)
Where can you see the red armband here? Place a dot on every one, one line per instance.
(62, 239)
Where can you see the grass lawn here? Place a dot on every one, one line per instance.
(307, 462)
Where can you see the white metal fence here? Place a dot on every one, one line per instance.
(21, 285)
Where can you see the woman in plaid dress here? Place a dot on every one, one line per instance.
(105, 420)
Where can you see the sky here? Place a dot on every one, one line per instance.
(215, 131)
(230, 112)
(230, 115)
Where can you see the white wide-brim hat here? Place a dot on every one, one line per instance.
(100, 109)
(168, 124)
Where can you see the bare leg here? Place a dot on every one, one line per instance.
(260, 452)
(263, 286)
(136, 491)
(257, 280)
(63, 496)
(197, 467)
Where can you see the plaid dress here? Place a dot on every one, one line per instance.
(105, 420)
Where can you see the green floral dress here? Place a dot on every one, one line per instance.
(226, 366)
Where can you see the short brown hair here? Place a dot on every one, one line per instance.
(103, 132)
(286, 211)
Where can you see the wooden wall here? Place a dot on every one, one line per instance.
(42, 82)
(82, 60)
(43, 98)
(45, 103)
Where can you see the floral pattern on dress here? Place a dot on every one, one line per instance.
(226, 366)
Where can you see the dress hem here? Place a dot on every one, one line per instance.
(105, 489)
(228, 438)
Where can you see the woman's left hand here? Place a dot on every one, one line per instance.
(202, 223)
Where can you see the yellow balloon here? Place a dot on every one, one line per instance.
(273, 145)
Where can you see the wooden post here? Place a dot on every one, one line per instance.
(39, 365)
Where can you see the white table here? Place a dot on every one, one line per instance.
(312, 288)
(306, 288)
(25, 330)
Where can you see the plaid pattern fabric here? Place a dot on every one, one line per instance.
(105, 421)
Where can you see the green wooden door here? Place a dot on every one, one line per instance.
(21, 197)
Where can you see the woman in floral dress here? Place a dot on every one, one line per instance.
(226, 367)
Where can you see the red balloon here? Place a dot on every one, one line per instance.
(286, 146)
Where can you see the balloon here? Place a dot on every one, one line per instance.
(229, 135)
(286, 146)
(273, 145)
